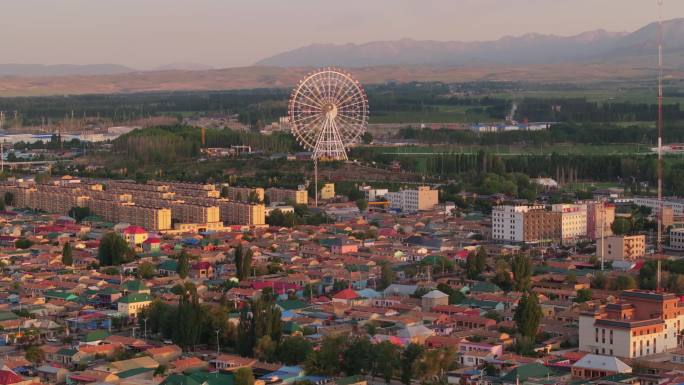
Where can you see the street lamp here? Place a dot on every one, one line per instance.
(218, 347)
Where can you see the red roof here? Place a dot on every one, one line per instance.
(134, 230)
(152, 240)
(9, 377)
(346, 294)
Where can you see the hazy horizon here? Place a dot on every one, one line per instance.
(144, 34)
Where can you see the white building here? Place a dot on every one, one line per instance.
(421, 199)
(676, 204)
(373, 194)
(677, 239)
(507, 222)
(573, 221)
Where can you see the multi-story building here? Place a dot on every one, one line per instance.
(541, 226)
(239, 213)
(676, 204)
(186, 212)
(677, 238)
(327, 191)
(600, 218)
(507, 222)
(281, 195)
(621, 248)
(243, 194)
(153, 218)
(573, 221)
(373, 194)
(421, 199)
(639, 324)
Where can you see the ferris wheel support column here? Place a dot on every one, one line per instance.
(315, 182)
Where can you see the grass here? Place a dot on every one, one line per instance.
(578, 149)
(444, 114)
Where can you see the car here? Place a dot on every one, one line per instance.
(51, 339)
(168, 342)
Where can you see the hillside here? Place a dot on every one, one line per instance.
(529, 49)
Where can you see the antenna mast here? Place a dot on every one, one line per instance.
(659, 241)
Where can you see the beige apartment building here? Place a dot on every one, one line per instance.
(600, 218)
(298, 197)
(242, 194)
(621, 247)
(423, 198)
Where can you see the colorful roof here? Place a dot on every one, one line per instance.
(134, 230)
(347, 293)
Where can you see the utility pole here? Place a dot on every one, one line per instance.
(659, 241)
(145, 332)
(218, 346)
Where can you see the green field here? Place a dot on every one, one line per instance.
(444, 114)
(579, 149)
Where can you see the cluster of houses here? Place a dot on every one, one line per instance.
(328, 279)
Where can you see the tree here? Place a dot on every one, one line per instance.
(358, 356)
(183, 268)
(326, 360)
(293, 350)
(625, 282)
(189, 315)
(362, 204)
(243, 263)
(258, 318)
(583, 295)
(265, 349)
(528, 315)
(67, 257)
(23, 243)
(387, 359)
(367, 138)
(146, 270)
(621, 226)
(113, 250)
(472, 267)
(244, 376)
(522, 271)
(412, 354)
(455, 296)
(9, 198)
(78, 213)
(35, 354)
(386, 274)
(599, 281)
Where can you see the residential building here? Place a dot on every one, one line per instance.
(542, 226)
(132, 304)
(421, 199)
(281, 195)
(677, 238)
(573, 221)
(621, 247)
(594, 366)
(243, 194)
(677, 204)
(600, 218)
(432, 299)
(640, 323)
(507, 222)
(327, 191)
(373, 194)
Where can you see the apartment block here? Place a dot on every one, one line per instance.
(421, 199)
(507, 222)
(242, 194)
(638, 324)
(541, 226)
(677, 239)
(600, 218)
(621, 248)
(573, 221)
(153, 218)
(281, 195)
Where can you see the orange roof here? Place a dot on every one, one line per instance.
(347, 293)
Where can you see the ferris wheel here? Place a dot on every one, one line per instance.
(328, 113)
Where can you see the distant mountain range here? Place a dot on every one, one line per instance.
(593, 46)
(30, 70)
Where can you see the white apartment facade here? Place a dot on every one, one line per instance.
(677, 239)
(676, 204)
(508, 222)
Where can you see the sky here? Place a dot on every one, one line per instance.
(144, 34)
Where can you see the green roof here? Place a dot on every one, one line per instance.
(96, 335)
(216, 378)
(60, 295)
(133, 372)
(168, 265)
(291, 327)
(291, 304)
(135, 298)
(67, 352)
(179, 379)
(134, 285)
(523, 372)
(485, 287)
(7, 315)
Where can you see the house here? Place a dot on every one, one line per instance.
(51, 374)
(231, 362)
(432, 299)
(202, 270)
(168, 268)
(593, 366)
(135, 287)
(165, 354)
(132, 304)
